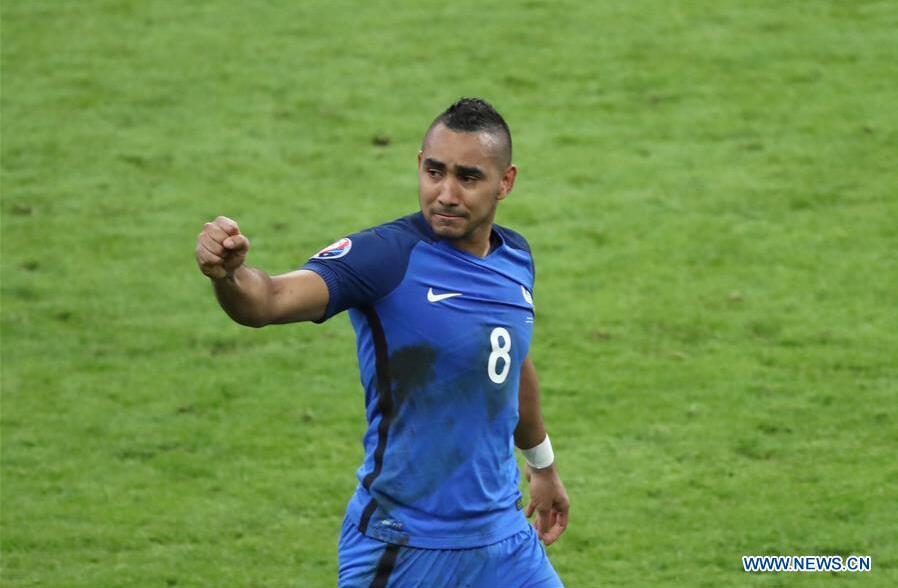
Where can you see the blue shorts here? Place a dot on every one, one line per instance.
(516, 562)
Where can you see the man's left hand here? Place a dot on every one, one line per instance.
(549, 500)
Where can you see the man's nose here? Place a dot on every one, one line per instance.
(448, 195)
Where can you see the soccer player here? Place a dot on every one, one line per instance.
(442, 305)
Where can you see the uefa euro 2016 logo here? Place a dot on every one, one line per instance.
(338, 249)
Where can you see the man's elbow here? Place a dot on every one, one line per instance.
(253, 321)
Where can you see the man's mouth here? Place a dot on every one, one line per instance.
(447, 215)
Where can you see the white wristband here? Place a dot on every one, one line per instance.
(541, 456)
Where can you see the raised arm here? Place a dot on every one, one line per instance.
(249, 295)
(548, 496)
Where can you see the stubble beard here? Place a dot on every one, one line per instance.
(461, 233)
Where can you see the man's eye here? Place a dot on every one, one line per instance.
(469, 178)
(433, 173)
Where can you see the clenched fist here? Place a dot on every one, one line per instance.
(220, 248)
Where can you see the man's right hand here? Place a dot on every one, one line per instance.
(220, 248)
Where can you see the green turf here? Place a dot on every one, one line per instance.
(709, 189)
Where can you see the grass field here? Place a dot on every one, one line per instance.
(710, 190)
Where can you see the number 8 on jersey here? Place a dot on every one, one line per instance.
(500, 340)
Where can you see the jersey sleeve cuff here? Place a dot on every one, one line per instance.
(333, 288)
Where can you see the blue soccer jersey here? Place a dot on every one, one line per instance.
(441, 336)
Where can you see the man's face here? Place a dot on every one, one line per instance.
(461, 178)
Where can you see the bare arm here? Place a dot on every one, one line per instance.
(548, 497)
(253, 298)
(530, 431)
(249, 295)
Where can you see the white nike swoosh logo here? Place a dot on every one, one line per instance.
(431, 297)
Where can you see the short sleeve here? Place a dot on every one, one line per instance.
(361, 268)
(517, 241)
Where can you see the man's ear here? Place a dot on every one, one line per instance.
(507, 182)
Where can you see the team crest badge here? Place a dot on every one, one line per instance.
(335, 250)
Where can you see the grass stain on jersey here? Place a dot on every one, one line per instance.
(411, 368)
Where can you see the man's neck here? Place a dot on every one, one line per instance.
(478, 244)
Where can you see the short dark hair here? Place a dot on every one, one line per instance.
(474, 115)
